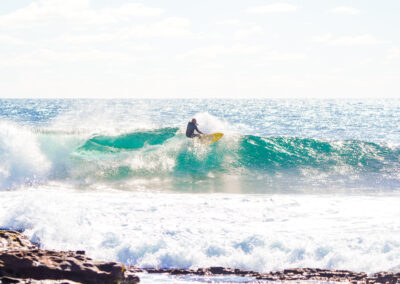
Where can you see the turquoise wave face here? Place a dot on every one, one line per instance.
(130, 141)
(262, 162)
(172, 161)
(283, 153)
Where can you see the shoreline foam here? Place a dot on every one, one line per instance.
(21, 261)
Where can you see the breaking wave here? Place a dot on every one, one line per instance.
(166, 159)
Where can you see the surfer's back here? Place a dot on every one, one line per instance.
(190, 129)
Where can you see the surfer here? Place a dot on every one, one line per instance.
(191, 127)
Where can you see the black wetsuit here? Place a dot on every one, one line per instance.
(191, 127)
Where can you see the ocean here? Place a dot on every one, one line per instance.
(293, 183)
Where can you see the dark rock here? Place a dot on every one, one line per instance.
(386, 277)
(20, 259)
(180, 272)
(221, 270)
(200, 271)
(293, 271)
(155, 270)
(134, 269)
(7, 280)
(10, 280)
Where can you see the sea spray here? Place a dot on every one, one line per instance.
(22, 161)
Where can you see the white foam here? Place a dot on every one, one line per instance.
(257, 232)
(147, 278)
(211, 124)
(22, 160)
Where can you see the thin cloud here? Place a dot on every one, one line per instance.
(344, 10)
(76, 12)
(249, 32)
(366, 39)
(272, 8)
(216, 51)
(169, 27)
(135, 10)
(230, 22)
(394, 53)
(44, 57)
(87, 25)
(284, 56)
(9, 40)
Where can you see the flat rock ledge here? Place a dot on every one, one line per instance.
(296, 274)
(24, 262)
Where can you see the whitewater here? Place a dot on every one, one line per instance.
(293, 183)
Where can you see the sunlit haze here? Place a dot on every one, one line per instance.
(199, 49)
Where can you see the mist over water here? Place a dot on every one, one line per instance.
(293, 183)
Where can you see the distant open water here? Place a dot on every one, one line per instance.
(119, 179)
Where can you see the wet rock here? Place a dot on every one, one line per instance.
(15, 240)
(22, 261)
(11, 280)
(180, 272)
(328, 275)
(221, 270)
(293, 274)
(386, 277)
(134, 269)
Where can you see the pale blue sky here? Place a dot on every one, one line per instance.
(202, 49)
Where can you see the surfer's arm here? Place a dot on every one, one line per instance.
(199, 131)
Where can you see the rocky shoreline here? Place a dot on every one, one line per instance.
(24, 262)
(295, 274)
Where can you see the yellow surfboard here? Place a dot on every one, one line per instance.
(210, 138)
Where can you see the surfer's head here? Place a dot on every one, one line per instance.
(194, 121)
